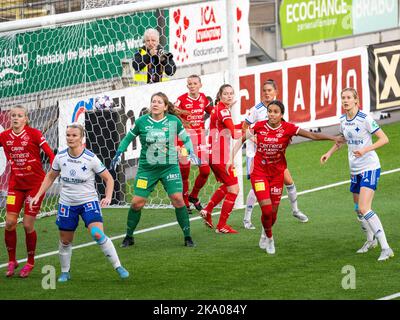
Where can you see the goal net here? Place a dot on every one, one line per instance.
(81, 71)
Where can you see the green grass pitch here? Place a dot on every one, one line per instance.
(308, 263)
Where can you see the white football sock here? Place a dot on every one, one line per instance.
(251, 200)
(109, 251)
(377, 228)
(292, 195)
(65, 253)
(365, 227)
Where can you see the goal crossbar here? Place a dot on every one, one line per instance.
(96, 13)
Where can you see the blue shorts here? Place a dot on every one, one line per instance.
(368, 179)
(68, 216)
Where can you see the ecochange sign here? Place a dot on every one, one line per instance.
(307, 21)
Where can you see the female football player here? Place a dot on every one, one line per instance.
(22, 145)
(77, 168)
(158, 132)
(222, 130)
(358, 128)
(272, 138)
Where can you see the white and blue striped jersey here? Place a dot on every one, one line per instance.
(358, 134)
(77, 177)
(257, 113)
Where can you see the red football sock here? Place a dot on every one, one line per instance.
(216, 198)
(274, 214)
(30, 239)
(266, 219)
(226, 210)
(185, 171)
(204, 172)
(10, 238)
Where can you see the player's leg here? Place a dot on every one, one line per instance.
(134, 215)
(144, 184)
(262, 191)
(96, 230)
(292, 195)
(67, 222)
(371, 242)
(232, 187)
(368, 186)
(30, 233)
(251, 197)
(185, 173)
(15, 200)
(65, 254)
(172, 182)
(216, 198)
(201, 179)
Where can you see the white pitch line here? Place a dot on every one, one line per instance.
(52, 253)
(392, 296)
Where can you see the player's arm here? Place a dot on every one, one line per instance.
(185, 138)
(46, 184)
(382, 140)
(132, 134)
(109, 181)
(324, 158)
(319, 136)
(237, 146)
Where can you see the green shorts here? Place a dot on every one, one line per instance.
(147, 179)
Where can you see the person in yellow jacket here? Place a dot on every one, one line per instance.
(151, 63)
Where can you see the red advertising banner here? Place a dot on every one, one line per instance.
(326, 85)
(298, 84)
(310, 87)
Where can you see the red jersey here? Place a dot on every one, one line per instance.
(23, 153)
(196, 107)
(271, 146)
(221, 132)
(195, 118)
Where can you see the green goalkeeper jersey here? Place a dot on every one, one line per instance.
(158, 139)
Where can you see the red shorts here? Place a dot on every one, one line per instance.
(268, 187)
(229, 179)
(18, 198)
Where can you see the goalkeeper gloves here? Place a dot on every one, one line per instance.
(116, 161)
(194, 159)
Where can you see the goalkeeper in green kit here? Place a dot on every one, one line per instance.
(158, 160)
